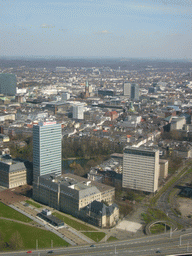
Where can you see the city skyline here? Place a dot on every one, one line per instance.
(139, 29)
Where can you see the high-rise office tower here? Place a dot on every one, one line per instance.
(8, 83)
(127, 90)
(131, 91)
(46, 149)
(135, 92)
(141, 169)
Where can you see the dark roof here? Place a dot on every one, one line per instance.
(14, 167)
(54, 220)
(101, 209)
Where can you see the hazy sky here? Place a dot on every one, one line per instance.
(96, 28)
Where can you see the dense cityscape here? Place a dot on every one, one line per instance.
(95, 152)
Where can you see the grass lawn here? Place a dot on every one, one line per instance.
(111, 239)
(73, 223)
(29, 235)
(33, 203)
(95, 236)
(159, 228)
(8, 212)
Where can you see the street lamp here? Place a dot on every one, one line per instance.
(180, 242)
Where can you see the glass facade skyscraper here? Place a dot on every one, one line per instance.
(8, 83)
(46, 149)
(131, 91)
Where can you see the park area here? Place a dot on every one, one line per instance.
(18, 232)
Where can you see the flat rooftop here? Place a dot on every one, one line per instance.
(76, 182)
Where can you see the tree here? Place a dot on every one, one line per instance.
(16, 241)
(78, 169)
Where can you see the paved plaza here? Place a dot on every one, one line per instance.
(129, 226)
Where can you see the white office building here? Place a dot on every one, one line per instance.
(78, 111)
(127, 90)
(141, 169)
(46, 149)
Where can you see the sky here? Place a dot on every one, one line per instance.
(159, 29)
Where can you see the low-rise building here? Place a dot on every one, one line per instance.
(70, 193)
(98, 214)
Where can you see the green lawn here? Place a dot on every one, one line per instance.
(111, 239)
(8, 212)
(29, 235)
(159, 228)
(33, 203)
(73, 223)
(95, 236)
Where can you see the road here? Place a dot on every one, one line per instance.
(164, 205)
(178, 242)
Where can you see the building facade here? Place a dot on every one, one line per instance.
(46, 149)
(8, 83)
(127, 90)
(98, 214)
(141, 169)
(70, 193)
(131, 91)
(12, 174)
(78, 111)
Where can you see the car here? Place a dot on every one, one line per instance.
(50, 251)
(158, 251)
(92, 245)
(29, 252)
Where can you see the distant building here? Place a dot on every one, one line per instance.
(127, 90)
(4, 138)
(177, 123)
(78, 111)
(135, 92)
(141, 169)
(61, 69)
(65, 96)
(131, 91)
(46, 149)
(106, 92)
(12, 174)
(112, 114)
(88, 89)
(8, 83)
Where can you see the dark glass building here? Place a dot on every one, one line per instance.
(8, 83)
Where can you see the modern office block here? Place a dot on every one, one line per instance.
(135, 92)
(131, 91)
(46, 149)
(78, 111)
(127, 90)
(141, 169)
(8, 83)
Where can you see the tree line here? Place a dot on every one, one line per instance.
(87, 147)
